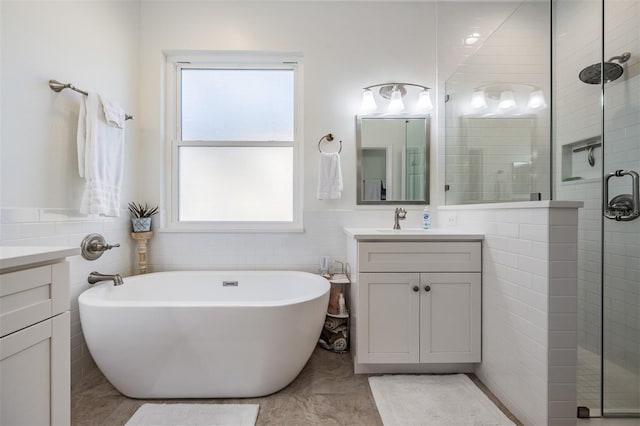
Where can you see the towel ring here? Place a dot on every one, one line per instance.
(329, 138)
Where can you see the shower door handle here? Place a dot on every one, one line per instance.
(634, 212)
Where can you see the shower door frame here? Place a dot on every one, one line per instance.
(633, 411)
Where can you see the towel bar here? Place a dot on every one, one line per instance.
(58, 87)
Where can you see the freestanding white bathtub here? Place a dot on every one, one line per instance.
(197, 335)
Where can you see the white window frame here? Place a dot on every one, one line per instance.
(175, 62)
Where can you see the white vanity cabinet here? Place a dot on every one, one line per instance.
(35, 341)
(416, 299)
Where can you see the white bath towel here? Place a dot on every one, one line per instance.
(372, 190)
(329, 177)
(103, 150)
(82, 136)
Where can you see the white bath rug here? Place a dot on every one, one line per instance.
(427, 400)
(195, 414)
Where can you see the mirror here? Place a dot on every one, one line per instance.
(393, 159)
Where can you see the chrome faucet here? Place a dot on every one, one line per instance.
(96, 277)
(399, 214)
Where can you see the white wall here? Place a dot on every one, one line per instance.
(344, 50)
(93, 45)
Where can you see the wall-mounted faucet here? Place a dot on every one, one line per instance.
(96, 277)
(93, 245)
(399, 214)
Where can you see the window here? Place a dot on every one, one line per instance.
(235, 151)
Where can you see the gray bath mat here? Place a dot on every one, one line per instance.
(195, 414)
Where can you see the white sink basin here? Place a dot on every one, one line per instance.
(403, 231)
(411, 234)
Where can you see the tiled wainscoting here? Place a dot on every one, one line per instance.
(528, 305)
(60, 227)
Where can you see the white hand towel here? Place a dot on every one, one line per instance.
(329, 177)
(113, 113)
(103, 157)
(372, 190)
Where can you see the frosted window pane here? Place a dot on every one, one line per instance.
(237, 105)
(240, 184)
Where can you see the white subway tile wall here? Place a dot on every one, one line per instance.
(60, 227)
(496, 158)
(529, 304)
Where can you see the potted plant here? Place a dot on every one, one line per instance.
(141, 216)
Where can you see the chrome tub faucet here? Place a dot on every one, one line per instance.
(96, 277)
(399, 214)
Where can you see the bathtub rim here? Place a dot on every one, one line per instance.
(93, 296)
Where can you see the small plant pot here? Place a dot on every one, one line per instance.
(141, 224)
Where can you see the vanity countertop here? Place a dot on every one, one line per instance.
(11, 257)
(410, 234)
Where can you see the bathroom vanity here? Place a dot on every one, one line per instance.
(415, 300)
(34, 329)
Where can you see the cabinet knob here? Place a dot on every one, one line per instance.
(427, 288)
(416, 288)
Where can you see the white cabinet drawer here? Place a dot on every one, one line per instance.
(419, 256)
(32, 295)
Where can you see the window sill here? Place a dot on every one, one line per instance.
(231, 229)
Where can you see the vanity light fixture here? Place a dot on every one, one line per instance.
(424, 101)
(504, 100)
(395, 92)
(507, 101)
(478, 100)
(395, 104)
(536, 100)
(368, 102)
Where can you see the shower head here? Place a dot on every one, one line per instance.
(612, 71)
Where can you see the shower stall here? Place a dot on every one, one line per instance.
(596, 116)
(547, 106)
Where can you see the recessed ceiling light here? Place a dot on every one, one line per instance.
(471, 39)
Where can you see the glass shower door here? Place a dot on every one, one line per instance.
(621, 227)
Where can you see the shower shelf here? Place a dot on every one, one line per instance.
(579, 160)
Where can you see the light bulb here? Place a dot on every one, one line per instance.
(478, 101)
(395, 104)
(537, 101)
(368, 102)
(424, 101)
(507, 102)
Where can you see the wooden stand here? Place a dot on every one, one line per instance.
(142, 238)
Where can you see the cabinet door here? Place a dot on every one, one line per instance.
(450, 319)
(388, 321)
(35, 374)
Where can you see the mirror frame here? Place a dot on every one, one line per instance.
(427, 123)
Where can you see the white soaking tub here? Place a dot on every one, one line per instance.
(197, 335)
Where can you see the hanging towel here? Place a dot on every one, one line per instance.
(372, 190)
(103, 150)
(329, 177)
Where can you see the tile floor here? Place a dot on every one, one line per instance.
(325, 393)
(622, 388)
